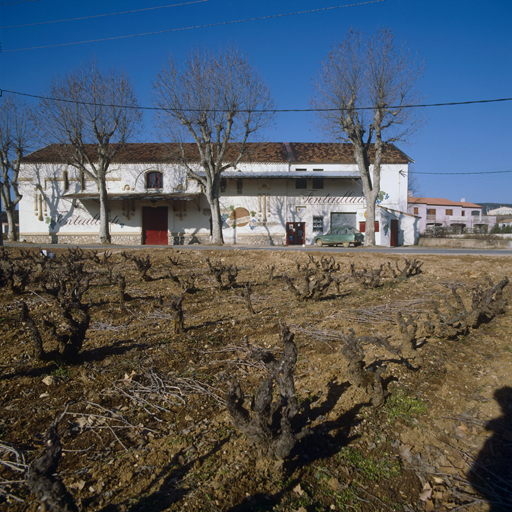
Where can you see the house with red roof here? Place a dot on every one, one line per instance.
(436, 212)
(279, 193)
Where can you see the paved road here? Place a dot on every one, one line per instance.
(411, 250)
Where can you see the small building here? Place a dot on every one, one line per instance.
(502, 210)
(280, 193)
(460, 215)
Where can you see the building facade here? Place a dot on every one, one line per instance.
(502, 210)
(280, 193)
(461, 215)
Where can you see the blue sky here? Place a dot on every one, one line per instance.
(467, 46)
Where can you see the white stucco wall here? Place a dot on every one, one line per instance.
(266, 205)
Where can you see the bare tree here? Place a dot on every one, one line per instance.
(413, 183)
(91, 114)
(16, 136)
(218, 102)
(372, 72)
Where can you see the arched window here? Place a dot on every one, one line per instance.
(154, 179)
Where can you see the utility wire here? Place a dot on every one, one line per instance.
(256, 111)
(20, 2)
(193, 27)
(462, 173)
(103, 15)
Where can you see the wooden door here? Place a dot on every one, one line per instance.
(295, 233)
(393, 242)
(362, 226)
(154, 226)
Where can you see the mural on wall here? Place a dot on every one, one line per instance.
(239, 217)
(382, 196)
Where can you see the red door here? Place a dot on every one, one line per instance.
(154, 226)
(362, 226)
(295, 233)
(394, 233)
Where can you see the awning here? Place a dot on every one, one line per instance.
(140, 196)
(289, 175)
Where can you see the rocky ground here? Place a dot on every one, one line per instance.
(145, 424)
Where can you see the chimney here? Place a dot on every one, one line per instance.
(463, 200)
(410, 193)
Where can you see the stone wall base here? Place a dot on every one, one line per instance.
(466, 243)
(58, 238)
(135, 239)
(181, 239)
(261, 239)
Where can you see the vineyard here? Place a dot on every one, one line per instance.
(179, 379)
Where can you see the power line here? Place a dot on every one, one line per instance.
(462, 173)
(256, 111)
(20, 2)
(194, 27)
(102, 15)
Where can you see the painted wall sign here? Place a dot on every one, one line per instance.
(61, 219)
(346, 198)
(239, 217)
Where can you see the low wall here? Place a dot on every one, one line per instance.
(465, 243)
(79, 239)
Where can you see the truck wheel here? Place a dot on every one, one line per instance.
(319, 243)
(346, 244)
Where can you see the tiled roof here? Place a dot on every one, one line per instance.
(439, 201)
(264, 152)
(328, 152)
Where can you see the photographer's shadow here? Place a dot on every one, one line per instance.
(491, 474)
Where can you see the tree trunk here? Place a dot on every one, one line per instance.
(104, 234)
(213, 200)
(371, 185)
(12, 233)
(369, 234)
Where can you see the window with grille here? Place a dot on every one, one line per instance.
(449, 212)
(154, 179)
(318, 224)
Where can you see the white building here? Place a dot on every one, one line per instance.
(436, 212)
(281, 193)
(502, 210)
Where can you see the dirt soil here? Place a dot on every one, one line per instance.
(146, 426)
